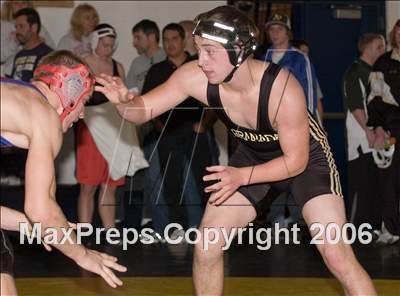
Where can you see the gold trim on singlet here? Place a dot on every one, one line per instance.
(318, 134)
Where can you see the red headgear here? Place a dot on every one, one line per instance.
(70, 84)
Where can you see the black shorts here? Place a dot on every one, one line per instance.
(319, 177)
(7, 255)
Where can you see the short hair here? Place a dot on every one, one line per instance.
(61, 57)
(148, 27)
(392, 37)
(367, 39)
(32, 17)
(76, 19)
(175, 27)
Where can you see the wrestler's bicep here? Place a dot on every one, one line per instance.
(292, 120)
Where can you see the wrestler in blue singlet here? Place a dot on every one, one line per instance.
(3, 141)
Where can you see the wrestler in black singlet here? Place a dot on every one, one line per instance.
(262, 145)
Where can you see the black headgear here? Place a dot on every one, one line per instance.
(230, 38)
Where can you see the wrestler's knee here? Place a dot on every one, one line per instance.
(209, 249)
(337, 257)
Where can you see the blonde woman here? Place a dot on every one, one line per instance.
(83, 21)
(9, 43)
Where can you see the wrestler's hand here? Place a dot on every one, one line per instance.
(101, 264)
(114, 89)
(229, 180)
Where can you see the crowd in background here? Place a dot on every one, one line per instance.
(169, 155)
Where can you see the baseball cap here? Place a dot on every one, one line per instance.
(278, 19)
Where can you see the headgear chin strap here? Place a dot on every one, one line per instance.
(230, 38)
(70, 84)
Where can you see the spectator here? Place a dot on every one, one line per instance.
(9, 43)
(83, 21)
(302, 45)
(146, 38)
(284, 54)
(27, 24)
(362, 172)
(384, 116)
(188, 26)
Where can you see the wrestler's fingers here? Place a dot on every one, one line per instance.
(103, 80)
(107, 278)
(108, 257)
(216, 168)
(223, 198)
(117, 80)
(115, 266)
(214, 187)
(112, 276)
(211, 177)
(99, 88)
(215, 197)
(107, 77)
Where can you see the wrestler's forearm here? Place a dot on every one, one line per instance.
(10, 219)
(134, 111)
(48, 213)
(278, 169)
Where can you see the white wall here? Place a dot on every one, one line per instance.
(392, 14)
(123, 15)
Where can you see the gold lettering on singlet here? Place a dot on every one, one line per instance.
(253, 137)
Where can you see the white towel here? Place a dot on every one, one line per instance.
(116, 140)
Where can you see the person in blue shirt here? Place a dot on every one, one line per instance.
(285, 55)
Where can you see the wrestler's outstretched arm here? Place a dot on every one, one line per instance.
(40, 204)
(187, 81)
